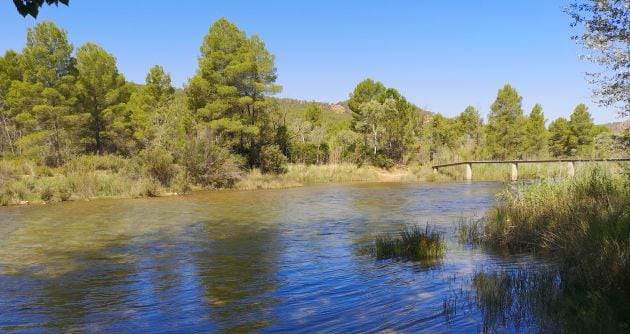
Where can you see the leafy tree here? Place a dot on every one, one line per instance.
(506, 124)
(606, 38)
(399, 124)
(100, 88)
(442, 132)
(384, 117)
(470, 126)
(372, 121)
(535, 131)
(313, 114)
(227, 94)
(364, 92)
(31, 7)
(561, 140)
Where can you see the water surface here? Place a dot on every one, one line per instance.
(238, 261)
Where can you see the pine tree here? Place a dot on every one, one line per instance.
(582, 129)
(10, 70)
(535, 132)
(561, 141)
(101, 91)
(505, 131)
(43, 103)
(227, 94)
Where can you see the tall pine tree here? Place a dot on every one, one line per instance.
(506, 124)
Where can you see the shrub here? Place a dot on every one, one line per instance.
(210, 165)
(156, 163)
(47, 193)
(272, 161)
(181, 183)
(146, 187)
(84, 184)
(382, 161)
(85, 163)
(13, 191)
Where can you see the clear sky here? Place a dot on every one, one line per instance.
(442, 55)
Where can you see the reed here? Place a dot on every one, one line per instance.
(582, 224)
(301, 174)
(412, 243)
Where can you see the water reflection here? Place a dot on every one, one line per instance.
(270, 261)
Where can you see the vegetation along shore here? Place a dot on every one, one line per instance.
(72, 127)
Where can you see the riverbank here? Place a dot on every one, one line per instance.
(93, 177)
(23, 182)
(581, 226)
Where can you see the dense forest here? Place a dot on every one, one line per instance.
(64, 111)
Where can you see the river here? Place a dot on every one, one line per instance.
(239, 261)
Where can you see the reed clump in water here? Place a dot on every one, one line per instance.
(412, 243)
(470, 231)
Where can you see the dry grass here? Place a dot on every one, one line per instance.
(300, 175)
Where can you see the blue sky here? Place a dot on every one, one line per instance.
(442, 55)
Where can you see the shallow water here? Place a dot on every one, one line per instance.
(239, 261)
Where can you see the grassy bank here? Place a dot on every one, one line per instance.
(300, 175)
(583, 225)
(110, 176)
(88, 177)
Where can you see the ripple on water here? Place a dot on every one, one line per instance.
(270, 261)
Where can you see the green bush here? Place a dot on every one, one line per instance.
(47, 192)
(156, 163)
(13, 191)
(310, 154)
(382, 161)
(210, 165)
(272, 161)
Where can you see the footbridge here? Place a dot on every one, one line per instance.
(468, 165)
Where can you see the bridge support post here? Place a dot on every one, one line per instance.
(468, 171)
(570, 169)
(435, 170)
(514, 171)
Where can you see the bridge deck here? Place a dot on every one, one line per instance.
(525, 161)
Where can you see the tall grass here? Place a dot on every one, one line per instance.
(582, 223)
(301, 174)
(411, 243)
(522, 297)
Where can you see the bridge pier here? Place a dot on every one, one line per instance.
(435, 170)
(570, 168)
(468, 171)
(514, 171)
